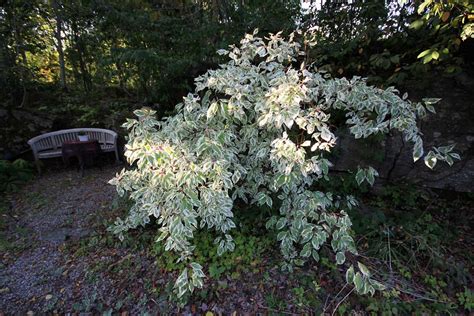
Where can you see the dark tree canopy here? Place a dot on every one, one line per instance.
(92, 62)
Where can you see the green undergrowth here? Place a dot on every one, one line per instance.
(253, 246)
(248, 253)
(14, 174)
(417, 242)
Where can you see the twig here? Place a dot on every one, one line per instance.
(422, 297)
(119, 262)
(343, 299)
(325, 302)
(389, 253)
(340, 291)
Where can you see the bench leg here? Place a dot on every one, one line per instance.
(38, 167)
(117, 159)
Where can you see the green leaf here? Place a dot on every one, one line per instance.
(315, 241)
(377, 285)
(424, 53)
(162, 236)
(326, 134)
(350, 275)
(418, 150)
(315, 255)
(195, 266)
(430, 160)
(306, 143)
(358, 282)
(360, 176)
(281, 223)
(280, 180)
(455, 156)
(212, 110)
(281, 235)
(417, 24)
(365, 271)
(271, 222)
(370, 176)
(340, 258)
(427, 58)
(269, 201)
(431, 101)
(422, 6)
(306, 234)
(306, 251)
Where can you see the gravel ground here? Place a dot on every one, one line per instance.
(58, 208)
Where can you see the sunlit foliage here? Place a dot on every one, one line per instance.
(258, 129)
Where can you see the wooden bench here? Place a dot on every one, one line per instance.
(49, 145)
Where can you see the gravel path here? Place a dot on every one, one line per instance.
(47, 213)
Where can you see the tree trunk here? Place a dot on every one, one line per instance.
(85, 73)
(20, 52)
(78, 44)
(59, 47)
(62, 66)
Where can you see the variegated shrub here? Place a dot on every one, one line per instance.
(258, 129)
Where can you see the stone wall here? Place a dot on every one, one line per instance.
(453, 123)
(16, 127)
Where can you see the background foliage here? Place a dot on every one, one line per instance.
(92, 62)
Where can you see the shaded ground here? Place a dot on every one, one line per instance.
(48, 214)
(58, 256)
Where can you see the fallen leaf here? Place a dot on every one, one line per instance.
(4, 290)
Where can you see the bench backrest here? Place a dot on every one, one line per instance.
(54, 140)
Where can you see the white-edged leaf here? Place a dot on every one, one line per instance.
(306, 251)
(212, 110)
(358, 282)
(340, 258)
(360, 176)
(365, 271)
(306, 143)
(418, 150)
(430, 160)
(350, 275)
